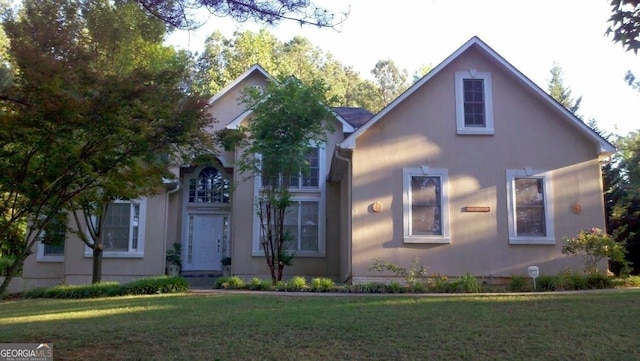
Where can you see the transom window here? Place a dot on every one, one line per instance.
(425, 205)
(209, 187)
(474, 102)
(530, 218)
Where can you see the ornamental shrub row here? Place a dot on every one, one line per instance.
(143, 286)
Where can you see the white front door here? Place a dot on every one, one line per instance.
(205, 242)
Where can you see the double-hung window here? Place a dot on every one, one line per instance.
(124, 229)
(52, 240)
(474, 102)
(305, 218)
(425, 205)
(530, 207)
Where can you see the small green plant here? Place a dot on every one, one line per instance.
(467, 283)
(297, 283)
(596, 246)
(598, 280)
(395, 287)
(257, 284)
(573, 281)
(411, 275)
(517, 283)
(174, 255)
(321, 284)
(442, 284)
(549, 283)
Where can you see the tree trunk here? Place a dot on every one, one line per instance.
(11, 271)
(97, 263)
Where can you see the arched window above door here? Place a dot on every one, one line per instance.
(209, 187)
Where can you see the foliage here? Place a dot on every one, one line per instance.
(143, 286)
(595, 246)
(182, 13)
(297, 283)
(560, 92)
(549, 283)
(574, 281)
(229, 282)
(416, 272)
(517, 283)
(598, 280)
(391, 80)
(625, 23)
(257, 284)
(322, 284)
(174, 254)
(467, 283)
(289, 119)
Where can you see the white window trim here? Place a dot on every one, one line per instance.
(512, 174)
(138, 253)
(299, 195)
(488, 129)
(407, 173)
(41, 257)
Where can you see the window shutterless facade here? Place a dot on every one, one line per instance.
(425, 205)
(474, 102)
(305, 219)
(530, 207)
(123, 229)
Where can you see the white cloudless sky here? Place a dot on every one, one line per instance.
(531, 35)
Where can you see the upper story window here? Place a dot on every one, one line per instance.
(311, 180)
(52, 239)
(425, 204)
(530, 212)
(474, 102)
(209, 187)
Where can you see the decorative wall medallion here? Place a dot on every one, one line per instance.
(377, 207)
(576, 208)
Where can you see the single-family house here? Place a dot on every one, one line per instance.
(473, 169)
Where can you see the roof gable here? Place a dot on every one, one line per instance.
(605, 148)
(256, 68)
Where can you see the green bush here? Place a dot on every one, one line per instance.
(257, 284)
(627, 281)
(143, 286)
(395, 287)
(442, 284)
(467, 283)
(599, 280)
(595, 246)
(517, 284)
(547, 283)
(297, 283)
(231, 283)
(573, 281)
(321, 284)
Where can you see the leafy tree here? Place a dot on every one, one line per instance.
(625, 23)
(560, 92)
(181, 13)
(289, 119)
(86, 115)
(391, 80)
(421, 72)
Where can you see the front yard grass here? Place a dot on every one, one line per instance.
(596, 325)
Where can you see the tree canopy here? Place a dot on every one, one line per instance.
(625, 23)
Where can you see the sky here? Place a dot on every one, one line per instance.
(531, 35)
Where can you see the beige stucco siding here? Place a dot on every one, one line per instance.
(421, 131)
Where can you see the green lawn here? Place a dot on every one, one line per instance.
(231, 326)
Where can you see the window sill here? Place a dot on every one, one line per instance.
(427, 240)
(50, 259)
(475, 131)
(532, 240)
(123, 254)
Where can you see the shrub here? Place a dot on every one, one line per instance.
(257, 284)
(143, 286)
(517, 284)
(395, 287)
(549, 283)
(628, 281)
(410, 275)
(598, 280)
(297, 283)
(467, 283)
(574, 281)
(322, 284)
(595, 245)
(155, 285)
(442, 284)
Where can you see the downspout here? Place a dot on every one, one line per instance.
(349, 275)
(166, 225)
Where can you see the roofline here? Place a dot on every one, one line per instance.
(605, 148)
(238, 80)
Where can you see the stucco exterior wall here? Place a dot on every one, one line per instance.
(421, 131)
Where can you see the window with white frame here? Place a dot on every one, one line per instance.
(474, 102)
(123, 229)
(530, 207)
(209, 187)
(52, 239)
(305, 219)
(425, 205)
